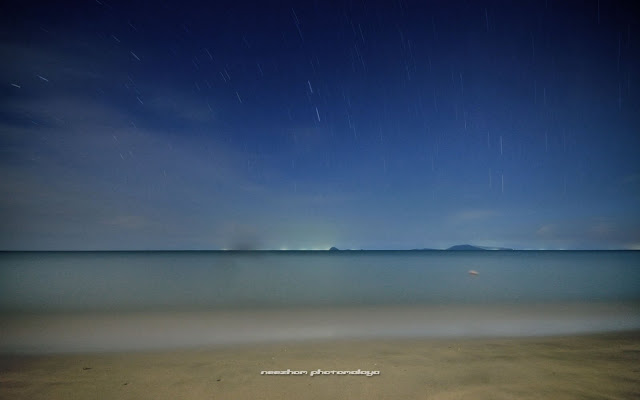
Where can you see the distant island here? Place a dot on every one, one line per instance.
(468, 247)
(458, 247)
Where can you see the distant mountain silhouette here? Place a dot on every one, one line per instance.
(459, 247)
(465, 247)
(468, 247)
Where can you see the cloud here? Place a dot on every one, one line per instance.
(182, 107)
(548, 230)
(602, 229)
(83, 173)
(131, 222)
(466, 216)
(83, 166)
(103, 148)
(594, 232)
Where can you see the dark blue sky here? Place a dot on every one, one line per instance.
(303, 125)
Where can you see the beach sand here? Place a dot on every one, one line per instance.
(603, 366)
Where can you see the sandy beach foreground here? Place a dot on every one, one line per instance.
(568, 367)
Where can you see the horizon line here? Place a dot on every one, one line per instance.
(290, 250)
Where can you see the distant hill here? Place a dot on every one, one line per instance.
(468, 247)
(459, 247)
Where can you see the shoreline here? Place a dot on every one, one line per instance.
(567, 366)
(155, 331)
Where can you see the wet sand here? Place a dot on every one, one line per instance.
(569, 367)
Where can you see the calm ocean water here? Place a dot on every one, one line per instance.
(77, 301)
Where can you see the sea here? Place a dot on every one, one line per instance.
(52, 302)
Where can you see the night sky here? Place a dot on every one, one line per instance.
(310, 124)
